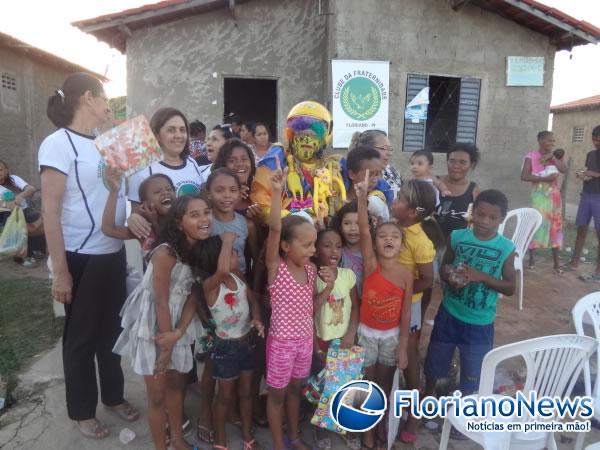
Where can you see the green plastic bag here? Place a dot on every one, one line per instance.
(13, 240)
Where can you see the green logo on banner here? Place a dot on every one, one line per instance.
(360, 98)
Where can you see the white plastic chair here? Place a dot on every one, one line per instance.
(528, 222)
(587, 311)
(553, 365)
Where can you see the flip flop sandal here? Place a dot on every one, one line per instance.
(531, 267)
(251, 445)
(291, 443)
(205, 434)
(125, 411)
(559, 271)
(96, 431)
(589, 277)
(407, 437)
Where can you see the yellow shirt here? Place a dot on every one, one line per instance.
(333, 318)
(416, 249)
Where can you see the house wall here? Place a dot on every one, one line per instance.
(427, 36)
(183, 63)
(562, 126)
(24, 125)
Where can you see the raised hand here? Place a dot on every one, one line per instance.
(326, 274)
(113, 178)
(361, 188)
(279, 176)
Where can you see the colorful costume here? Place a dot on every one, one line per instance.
(314, 182)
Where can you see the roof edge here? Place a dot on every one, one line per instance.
(18, 46)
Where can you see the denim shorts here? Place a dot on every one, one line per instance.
(473, 342)
(231, 357)
(589, 206)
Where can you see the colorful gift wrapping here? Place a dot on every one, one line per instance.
(129, 147)
(342, 366)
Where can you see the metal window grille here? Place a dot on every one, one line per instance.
(578, 134)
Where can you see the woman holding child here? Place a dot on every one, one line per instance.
(541, 168)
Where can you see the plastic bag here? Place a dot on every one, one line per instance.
(13, 240)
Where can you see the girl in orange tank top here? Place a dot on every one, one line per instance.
(385, 307)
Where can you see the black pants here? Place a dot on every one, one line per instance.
(92, 326)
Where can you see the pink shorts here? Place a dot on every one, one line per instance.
(287, 359)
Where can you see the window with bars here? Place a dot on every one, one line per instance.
(447, 113)
(578, 134)
(9, 82)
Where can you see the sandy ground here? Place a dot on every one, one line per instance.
(39, 420)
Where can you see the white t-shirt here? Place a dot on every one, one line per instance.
(19, 183)
(86, 192)
(186, 178)
(205, 170)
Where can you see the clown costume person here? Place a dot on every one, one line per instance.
(314, 184)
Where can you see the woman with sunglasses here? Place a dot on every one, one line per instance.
(216, 138)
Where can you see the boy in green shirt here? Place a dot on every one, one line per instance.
(478, 264)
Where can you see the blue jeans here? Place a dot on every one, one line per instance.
(231, 357)
(473, 342)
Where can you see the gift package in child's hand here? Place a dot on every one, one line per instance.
(129, 147)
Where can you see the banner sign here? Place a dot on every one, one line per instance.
(360, 98)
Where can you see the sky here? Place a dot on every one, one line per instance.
(576, 73)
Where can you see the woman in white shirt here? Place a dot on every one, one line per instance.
(88, 267)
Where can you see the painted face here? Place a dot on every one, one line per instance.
(239, 162)
(350, 228)
(596, 142)
(302, 247)
(383, 146)
(159, 195)
(261, 136)
(374, 167)
(459, 164)
(547, 144)
(215, 141)
(419, 166)
(329, 251)
(173, 136)
(486, 220)
(3, 173)
(224, 193)
(305, 144)
(196, 221)
(388, 241)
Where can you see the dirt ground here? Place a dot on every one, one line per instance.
(548, 300)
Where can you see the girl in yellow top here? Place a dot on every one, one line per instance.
(413, 209)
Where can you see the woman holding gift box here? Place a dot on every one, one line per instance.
(88, 267)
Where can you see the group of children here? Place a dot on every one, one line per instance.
(359, 280)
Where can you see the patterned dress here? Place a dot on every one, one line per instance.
(545, 197)
(140, 325)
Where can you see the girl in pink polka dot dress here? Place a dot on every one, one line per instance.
(291, 279)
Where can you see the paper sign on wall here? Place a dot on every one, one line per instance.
(360, 98)
(524, 70)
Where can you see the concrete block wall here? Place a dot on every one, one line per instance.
(427, 36)
(562, 126)
(24, 127)
(173, 64)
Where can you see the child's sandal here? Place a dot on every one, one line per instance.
(251, 445)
